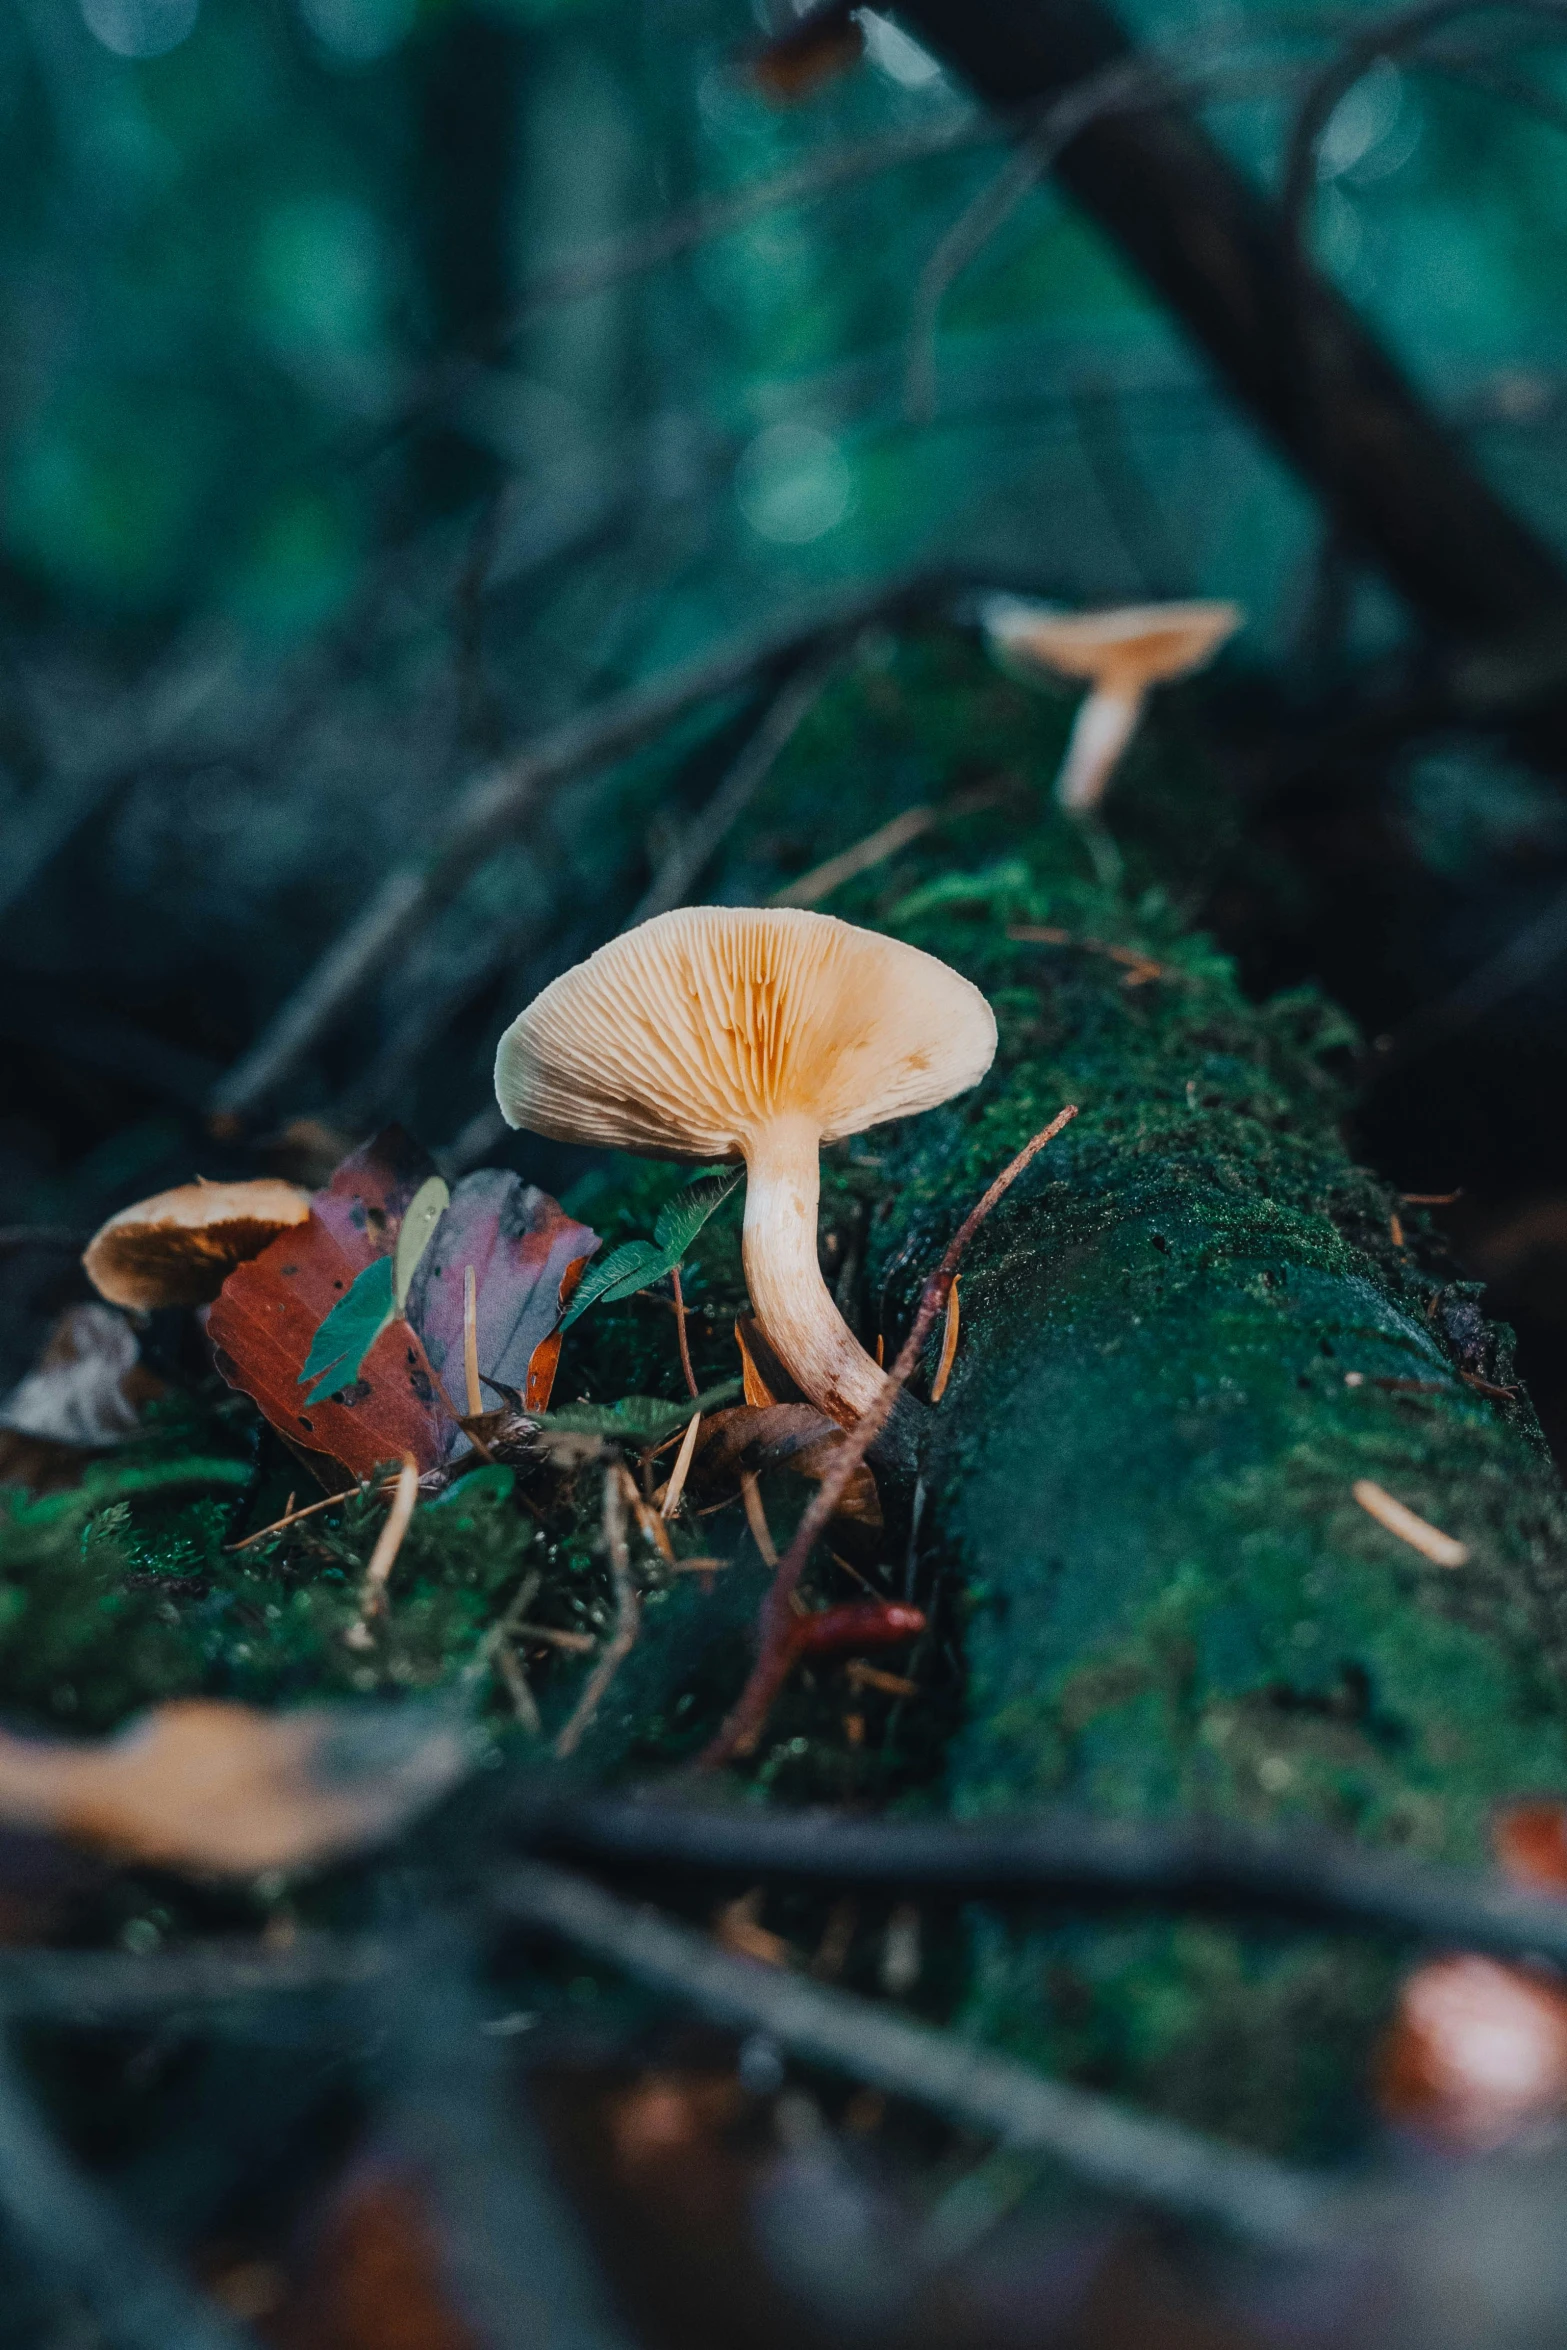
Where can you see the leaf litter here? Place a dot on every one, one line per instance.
(349, 1334)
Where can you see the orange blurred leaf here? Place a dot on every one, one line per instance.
(225, 1790)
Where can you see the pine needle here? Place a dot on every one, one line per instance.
(756, 1517)
(372, 1600)
(949, 1344)
(470, 1344)
(1441, 1549)
(683, 1459)
(628, 1618)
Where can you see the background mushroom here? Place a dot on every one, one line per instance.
(178, 1248)
(721, 1032)
(1122, 654)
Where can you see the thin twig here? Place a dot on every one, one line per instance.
(700, 840)
(949, 1344)
(491, 808)
(860, 1675)
(1441, 1549)
(1123, 2153)
(1199, 1864)
(1392, 34)
(89, 1988)
(73, 2231)
(1125, 85)
(680, 1331)
(470, 1345)
(1526, 958)
(523, 1702)
(505, 1625)
(628, 1616)
(550, 1636)
(372, 1592)
(1139, 968)
(756, 1517)
(682, 1468)
(495, 1650)
(649, 1521)
(599, 267)
(292, 1517)
(864, 855)
(744, 1725)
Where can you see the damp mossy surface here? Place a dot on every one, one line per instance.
(1186, 1334)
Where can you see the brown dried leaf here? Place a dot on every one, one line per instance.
(86, 1386)
(262, 1325)
(795, 1436)
(766, 1380)
(225, 1790)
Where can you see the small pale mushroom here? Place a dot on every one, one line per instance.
(725, 1032)
(1122, 654)
(178, 1248)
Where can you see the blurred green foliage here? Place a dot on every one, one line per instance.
(267, 270)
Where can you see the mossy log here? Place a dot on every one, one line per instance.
(1187, 1335)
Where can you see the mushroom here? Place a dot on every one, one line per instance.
(179, 1248)
(1122, 654)
(728, 1032)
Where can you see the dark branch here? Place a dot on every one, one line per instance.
(74, 2234)
(494, 805)
(1219, 255)
(1122, 2153)
(1065, 1857)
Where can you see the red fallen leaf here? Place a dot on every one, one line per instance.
(527, 1256)
(1531, 1844)
(1477, 2052)
(267, 1313)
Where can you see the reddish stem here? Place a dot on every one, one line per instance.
(860, 1623)
(680, 1330)
(746, 1721)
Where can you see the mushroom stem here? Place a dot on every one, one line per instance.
(792, 1302)
(1105, 724)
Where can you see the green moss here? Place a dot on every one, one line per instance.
(1187, 1332)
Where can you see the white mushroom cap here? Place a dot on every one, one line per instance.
(681, 1037)
(179, 1248)
(1122, 654)
(721, 1032)
(1135, 644)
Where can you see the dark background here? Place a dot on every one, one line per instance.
(356, 430)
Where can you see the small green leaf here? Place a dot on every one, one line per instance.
(637, 1419)
(639, 1263)
(621, 1274)
(683, 1217)
(422, 1214)
(495, 1482)
(349, 1331)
